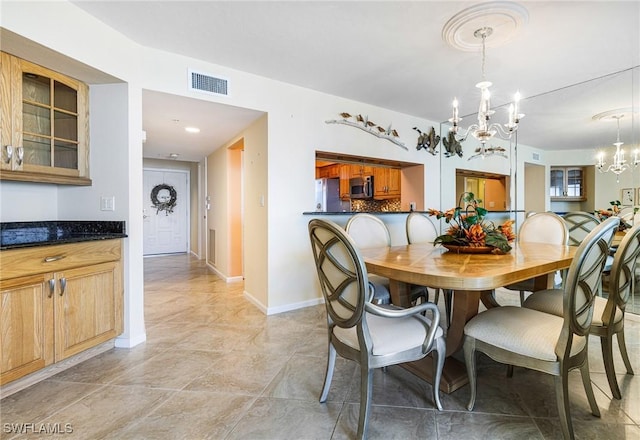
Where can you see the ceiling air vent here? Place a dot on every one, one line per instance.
(209, 84)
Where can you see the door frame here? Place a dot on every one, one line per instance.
(187, 172)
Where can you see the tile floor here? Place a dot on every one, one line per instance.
(214, 367)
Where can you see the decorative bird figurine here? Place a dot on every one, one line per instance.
(428, 141)
(345, 115)
(452, 145)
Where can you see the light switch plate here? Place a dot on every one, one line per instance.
(108, 203)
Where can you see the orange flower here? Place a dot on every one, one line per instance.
(507, 229)
(476, 235)
(453, 230)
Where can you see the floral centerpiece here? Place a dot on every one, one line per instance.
(469, 229)
(615, 210)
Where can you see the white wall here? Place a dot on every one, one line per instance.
(279, 154)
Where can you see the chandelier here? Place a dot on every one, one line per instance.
(619, 164)
(484, 130)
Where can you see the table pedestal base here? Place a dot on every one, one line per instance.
(454, 373)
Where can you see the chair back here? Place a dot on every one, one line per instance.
(420, 229)
(368, 231)
(544, 227)
(582, 284)
(623, 270)
(341, 271)
(580, 224)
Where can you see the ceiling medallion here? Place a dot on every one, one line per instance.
(504, 18)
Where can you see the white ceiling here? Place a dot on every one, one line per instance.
(392, 54)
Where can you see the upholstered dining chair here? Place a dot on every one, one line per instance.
(580, 223)
(420, 229)
(542, 227)
(520, 336)
(608, 315)
(371, 335)
(369, 231)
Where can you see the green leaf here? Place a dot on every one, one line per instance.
(498, 240)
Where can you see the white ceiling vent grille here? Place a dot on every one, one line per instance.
(203, 82)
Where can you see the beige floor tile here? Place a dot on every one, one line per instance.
(214, 366)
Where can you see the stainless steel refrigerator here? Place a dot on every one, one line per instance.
(328, 195)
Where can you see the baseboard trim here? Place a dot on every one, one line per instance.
(53, 369)
(284, 308)
(122, 342)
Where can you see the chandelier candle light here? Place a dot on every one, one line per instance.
(483, 130)
(619, 162)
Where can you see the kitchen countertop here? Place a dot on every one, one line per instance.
(45, 233)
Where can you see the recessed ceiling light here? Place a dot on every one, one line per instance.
(192, 129)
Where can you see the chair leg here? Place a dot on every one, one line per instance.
(331, 363)
(623, 351)
(470, 361)
(588, 389)
(438, 363)
(366, 379)
(606, 343)
(521, 297)
(562, 400)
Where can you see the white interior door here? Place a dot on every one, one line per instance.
(166, 198)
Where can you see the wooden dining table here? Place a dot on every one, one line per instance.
(471, 277)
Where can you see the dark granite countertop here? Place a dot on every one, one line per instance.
(44, 233)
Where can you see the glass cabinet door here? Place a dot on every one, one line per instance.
(574, 182)
(49, 121)
(556, 184)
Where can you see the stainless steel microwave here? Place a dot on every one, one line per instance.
(361, 187)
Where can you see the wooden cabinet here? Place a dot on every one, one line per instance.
(44, 133)
(26, 326)
(567, 183)
(345, 187)
(360, 170)
(386, 183)
(57, 301)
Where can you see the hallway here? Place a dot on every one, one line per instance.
(215, 367)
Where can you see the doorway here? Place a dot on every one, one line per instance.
(165, 212)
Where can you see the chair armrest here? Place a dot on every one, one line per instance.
(430, 327)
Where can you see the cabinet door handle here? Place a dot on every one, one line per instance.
(63, 285)
(54, 258)
(9, 150)
(52, 287)
(20, 153)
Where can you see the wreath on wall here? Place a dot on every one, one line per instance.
(164, 203)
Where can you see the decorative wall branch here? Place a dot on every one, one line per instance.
(363, 123)
(429, 141)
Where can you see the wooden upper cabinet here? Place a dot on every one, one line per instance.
(45, 124)
(358, 170)
(386, 183)
(345, 187)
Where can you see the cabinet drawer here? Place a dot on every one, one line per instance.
(34, 260)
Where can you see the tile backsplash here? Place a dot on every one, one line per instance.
(392, 205)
